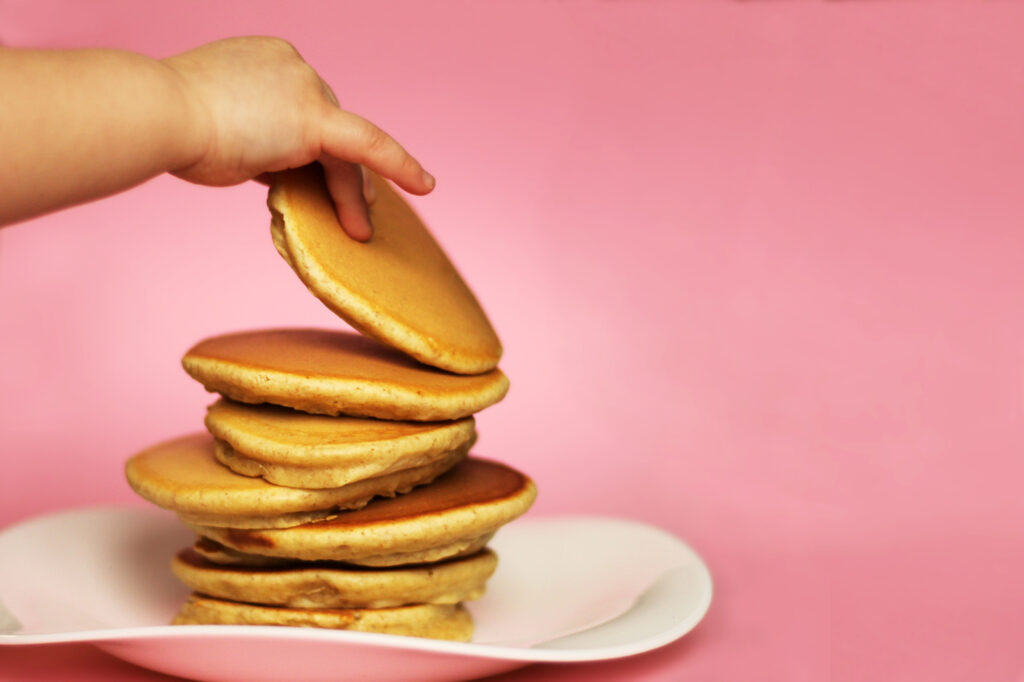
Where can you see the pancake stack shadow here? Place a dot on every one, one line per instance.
(334, 486)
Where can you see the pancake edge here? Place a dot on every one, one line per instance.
(360, 312)
(334, 396)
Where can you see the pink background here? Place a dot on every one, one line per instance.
(757, 268)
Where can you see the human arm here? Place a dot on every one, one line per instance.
(76, 125)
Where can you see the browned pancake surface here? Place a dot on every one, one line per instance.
(332, 372)
(474, 481)
(454, 515)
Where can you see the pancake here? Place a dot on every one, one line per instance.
(437, 621)
(338, 586)
(219, 554)
(330, 372)
(183, 476)
(292, 448)
(226, 556)
(453, 516)
(399, 287)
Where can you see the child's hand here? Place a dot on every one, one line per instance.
(258, 107)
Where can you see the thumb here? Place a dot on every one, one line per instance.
(345, 184)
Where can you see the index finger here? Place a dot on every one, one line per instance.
(351, 137)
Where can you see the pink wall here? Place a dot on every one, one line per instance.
(756, 267)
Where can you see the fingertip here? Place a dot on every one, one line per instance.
(360, 229)
(426, 184)
(352, 137)
(360, 234)
(355, 220)
(429, 181)
(344, 183)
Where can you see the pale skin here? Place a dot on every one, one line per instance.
(77, 125)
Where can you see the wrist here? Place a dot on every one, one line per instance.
(194, 129)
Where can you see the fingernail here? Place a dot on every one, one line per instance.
(369, 192)
(428, 180)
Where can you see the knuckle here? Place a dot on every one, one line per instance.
(375, 141)
(281, 45)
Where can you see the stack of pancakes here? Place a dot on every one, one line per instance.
(334, 486)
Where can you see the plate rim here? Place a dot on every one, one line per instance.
(524, 654)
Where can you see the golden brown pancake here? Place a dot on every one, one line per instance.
(399, 287)
(437, 621)
(183, 476)
(338, 586)
(453, 516)
(301, 450)
(329, 372)
(219, 554)
(226, 556)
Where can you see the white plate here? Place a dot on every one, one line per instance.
(567, 589)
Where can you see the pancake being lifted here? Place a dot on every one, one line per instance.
(331, 372)
(399, 287)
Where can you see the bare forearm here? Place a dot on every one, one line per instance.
(82, 124)
(76, 125)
